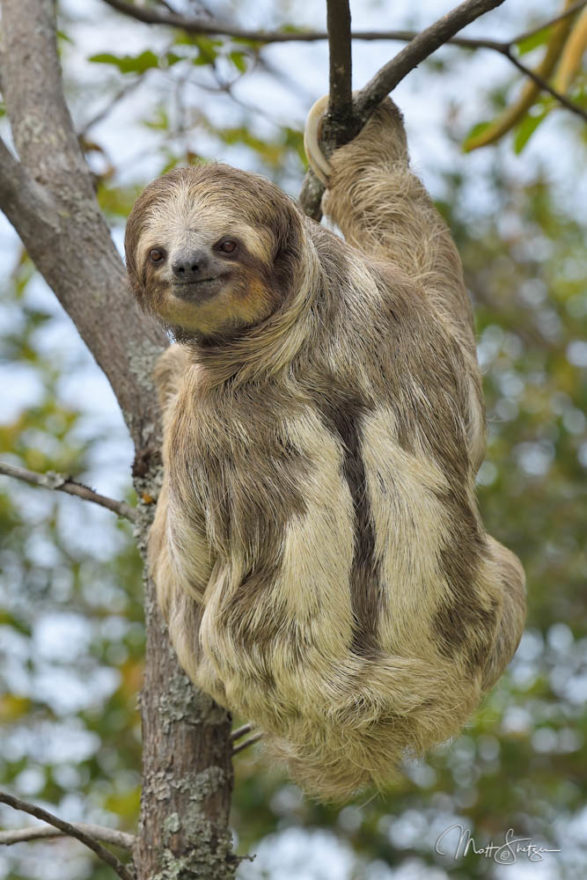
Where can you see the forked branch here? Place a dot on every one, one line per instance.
(387, 79)
(68, 829)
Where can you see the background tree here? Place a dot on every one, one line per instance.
(74, 576)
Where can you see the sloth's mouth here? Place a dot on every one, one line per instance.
(199, 289)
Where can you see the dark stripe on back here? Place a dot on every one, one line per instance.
(465, 621)
(343, 414)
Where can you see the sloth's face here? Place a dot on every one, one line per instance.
(195, 257)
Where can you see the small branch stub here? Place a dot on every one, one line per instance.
(241, 731)
(248, 742)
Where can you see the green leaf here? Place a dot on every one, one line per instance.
(116, 201)
(238, 59)
(477, 129)
(128, 63)
(172, 58)
(526, 129)
(540, 38)
(250, 44)
(293, 29)
(207, 50)
(159, 121)
(63, 37)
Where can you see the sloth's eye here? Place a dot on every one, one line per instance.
(156, 255)
(227, 246)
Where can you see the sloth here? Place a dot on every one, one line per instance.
(317, 546)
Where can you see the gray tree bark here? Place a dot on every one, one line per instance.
(46, 193)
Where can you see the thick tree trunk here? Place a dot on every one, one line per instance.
(187, 772)
(48, 197)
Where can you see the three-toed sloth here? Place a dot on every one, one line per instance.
(317, 546)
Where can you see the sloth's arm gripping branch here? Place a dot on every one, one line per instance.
(384, 210)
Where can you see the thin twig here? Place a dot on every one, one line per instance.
(248, 742)
(60, 483)
(167, 6)
(545, 86)
(70, 830)
(219, 28)
(47, 832)
(241, 731)
(148, 15)
(123, 93)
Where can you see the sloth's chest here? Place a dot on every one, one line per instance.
(256, 476)
(244, 471)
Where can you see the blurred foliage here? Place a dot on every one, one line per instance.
(71, 630)
(70, 604)
(564, 44)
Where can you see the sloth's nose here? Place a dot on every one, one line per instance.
(190, 265)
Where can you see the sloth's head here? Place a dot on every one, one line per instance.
(211, 249)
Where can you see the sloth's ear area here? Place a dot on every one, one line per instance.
(289, 243)
(134, 230)
(130, 246)
(136, 277)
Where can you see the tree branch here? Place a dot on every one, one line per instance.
(427, 42)
(22, 199)
(68, 829)
(368, 98)
(60, 483)
(311, 196)
(12, 177)
(546, 87)
(58, 218)
(41, 125)
(123, 93)
(213, 27)
(538, 80)
(49, 832)
(570, 60)
(339, 44)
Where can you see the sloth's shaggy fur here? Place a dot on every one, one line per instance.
(317, 546)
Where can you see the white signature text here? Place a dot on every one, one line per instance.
(505, 853)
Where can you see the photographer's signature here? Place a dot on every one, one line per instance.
(505, 853)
